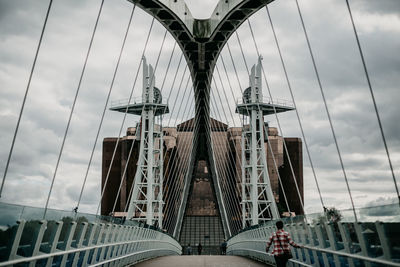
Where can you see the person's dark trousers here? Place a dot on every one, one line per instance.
(280, 261)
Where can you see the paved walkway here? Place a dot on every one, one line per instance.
(200, 261)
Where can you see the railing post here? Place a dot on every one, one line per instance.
(322, 242)
(296, 235)
(111, 239)
(346, 242)
(303, 239)
(120, 237)
(312, 243)
(14, 244)
(67, 242)
(362, 242)
(387, 255)
(79, 240)
(97, 241)
(55, 232)
(134, 233)
(37, 239)
(106, 235)
(93, 228)
(333, 242)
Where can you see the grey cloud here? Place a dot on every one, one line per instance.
(61, 58)
(381, 7)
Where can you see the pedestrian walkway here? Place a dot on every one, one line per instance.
(201, 261)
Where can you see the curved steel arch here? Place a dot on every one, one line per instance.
(201, 41)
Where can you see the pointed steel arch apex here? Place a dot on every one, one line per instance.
(201, 41)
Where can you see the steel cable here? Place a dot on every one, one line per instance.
(72, 109)
(326, 108)
(25, 97)
(104, 110)
(266, 132)
(133, 143)
(373, 100)
(296, 110)
(276, 115)
(123, 120)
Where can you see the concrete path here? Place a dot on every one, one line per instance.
(200, 261)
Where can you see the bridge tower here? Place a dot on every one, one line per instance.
(146, 202)
(257, 197)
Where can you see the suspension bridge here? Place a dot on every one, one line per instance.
(195, 160)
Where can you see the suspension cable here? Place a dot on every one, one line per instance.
(266, 132)
(189, 159)
(125, 114)
(226, 98)
(233, 121)
(233, 97)
(172, 162)
(230, 173)
(133, 143)
(173, 83)
(25, 96)
(241, 49)
(105, 108)
(223, 171)
(178, 171)
(373, 99)
(131, 149)
(326, 108)
(73, 108)
(182, 168)
(217, 163)
(180, 85)
(277, 118)
(296, 110)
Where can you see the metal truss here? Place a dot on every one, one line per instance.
(201, 41)
(257, 196)
(146, 203)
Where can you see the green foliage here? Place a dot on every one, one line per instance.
(332, 215)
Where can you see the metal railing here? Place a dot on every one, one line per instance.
(268, 100)
(134, 100)
(69, 242)
(326, 244)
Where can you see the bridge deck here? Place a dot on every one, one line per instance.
(203, 261)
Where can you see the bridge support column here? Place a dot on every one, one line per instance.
(258, 202)
(146, 203)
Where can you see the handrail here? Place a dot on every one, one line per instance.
(344, 254)
(105, 242)
(60, 253)
(321, 240)
(268, 100)
(123, 257)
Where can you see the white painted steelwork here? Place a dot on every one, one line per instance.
(327, 244)
(88, 244)
(257, 196)
(146, 203)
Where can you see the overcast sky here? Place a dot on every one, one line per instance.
(61, 58)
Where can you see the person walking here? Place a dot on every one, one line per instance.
(281, 240)
(223, 247)
(199, 249)
(189, 249)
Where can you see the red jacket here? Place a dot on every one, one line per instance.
(285, 240)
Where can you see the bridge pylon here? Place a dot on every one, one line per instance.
(258, 201)
(146, 202)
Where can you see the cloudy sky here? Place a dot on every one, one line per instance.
(61, 58)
